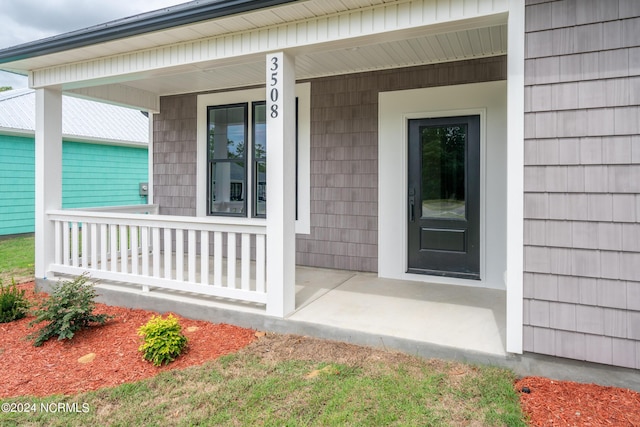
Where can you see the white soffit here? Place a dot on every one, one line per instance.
(427, 49)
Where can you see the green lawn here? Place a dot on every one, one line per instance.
(17, 259)
(245, 390)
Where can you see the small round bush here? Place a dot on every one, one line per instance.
(163, 340)
(13, 303)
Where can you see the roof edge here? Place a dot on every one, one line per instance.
(162, 19)
(30, 133)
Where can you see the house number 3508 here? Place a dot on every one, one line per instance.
(274, 95)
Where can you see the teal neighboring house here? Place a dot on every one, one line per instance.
(104, 155)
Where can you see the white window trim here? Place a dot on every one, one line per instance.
(303, 93)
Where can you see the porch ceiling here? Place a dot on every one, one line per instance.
(358, 56)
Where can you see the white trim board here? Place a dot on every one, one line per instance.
(303, 92)
(489, 100)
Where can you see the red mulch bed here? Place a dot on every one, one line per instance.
(566, 403)
(54, 367)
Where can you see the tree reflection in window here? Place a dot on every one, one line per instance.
(443, 171)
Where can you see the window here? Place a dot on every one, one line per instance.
(231, 160)
(227, 160)
(227, 155)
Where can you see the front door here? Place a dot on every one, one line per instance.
(444, 197)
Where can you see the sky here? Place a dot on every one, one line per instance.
(22, 21)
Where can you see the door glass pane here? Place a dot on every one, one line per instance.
(227, 187)
(443, 171)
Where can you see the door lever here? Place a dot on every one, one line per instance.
(411, 205)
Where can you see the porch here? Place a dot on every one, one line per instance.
(167, 263)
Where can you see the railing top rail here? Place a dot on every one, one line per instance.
(255, 226)
(152, 209)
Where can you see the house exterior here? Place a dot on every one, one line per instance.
(483, 143)
(104, 159)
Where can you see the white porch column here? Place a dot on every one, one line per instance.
(515, 178)
(48, 151)
(281, 178)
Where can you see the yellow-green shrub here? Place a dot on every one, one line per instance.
(163, 340)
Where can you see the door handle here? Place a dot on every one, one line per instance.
(412, 216)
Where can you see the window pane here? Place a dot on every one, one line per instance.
(259, 130)
(260, 168)
(227, 132)
(227, 187)
(443, 171)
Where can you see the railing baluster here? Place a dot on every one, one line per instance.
(144, 234)
(85, 251)
(168, 253)
(104, 240)
(155, 242)
(113, 237)
(217, 258)
(58, 236)
(204, 257)
(124, 249)
(260, 262)
(94, 245)
(245, 277)
(231, 260)
(179, 254)
(134, 249)
(66, 241)
(74, 245)
(192, 255)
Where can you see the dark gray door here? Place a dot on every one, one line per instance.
(444, 197)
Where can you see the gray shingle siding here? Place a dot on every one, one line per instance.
(582, 176)
(174, 155)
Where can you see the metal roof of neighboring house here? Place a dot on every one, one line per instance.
(81, 119)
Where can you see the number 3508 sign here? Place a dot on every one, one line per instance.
(274, 86)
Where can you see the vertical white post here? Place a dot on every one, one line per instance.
(217, 258)
(48, 151)
(94, 246)
(515, 173)
(179, 254)
(204, 257)
(231, 260)
(281, 237)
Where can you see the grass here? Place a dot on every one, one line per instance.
(242, 389)
(17, 258)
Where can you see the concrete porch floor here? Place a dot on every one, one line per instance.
(460, 317)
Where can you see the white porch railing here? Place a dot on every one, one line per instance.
(225, 258)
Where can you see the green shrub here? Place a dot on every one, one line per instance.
(163, 340)
(13, 303)
(68, 310)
